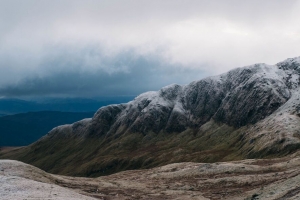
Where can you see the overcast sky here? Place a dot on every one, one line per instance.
(94, 48)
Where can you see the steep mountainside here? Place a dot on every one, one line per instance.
(248, 112)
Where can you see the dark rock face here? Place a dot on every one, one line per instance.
(104, 119)
(240, 97)
(252, 100)
(202, 99)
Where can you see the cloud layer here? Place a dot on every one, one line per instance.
(78, 48)
(90, 74)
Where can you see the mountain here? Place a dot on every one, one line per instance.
(9, 106)
(13, 106)
(248, 112)
(23, 129)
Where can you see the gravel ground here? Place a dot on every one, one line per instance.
(276, 179)
(22, 181)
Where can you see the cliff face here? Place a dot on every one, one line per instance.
(248, 112)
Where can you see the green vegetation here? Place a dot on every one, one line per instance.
(91, 157)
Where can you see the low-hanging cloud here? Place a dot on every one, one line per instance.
(124, 74)
(93, 47)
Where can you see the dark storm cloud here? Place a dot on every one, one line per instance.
(123, 74)
(91, 47)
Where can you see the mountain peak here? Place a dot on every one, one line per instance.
(295, 60)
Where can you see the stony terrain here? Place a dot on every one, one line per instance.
(21, 181)
(247, 179)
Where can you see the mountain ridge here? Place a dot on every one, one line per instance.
(183, 99)
(248, 112)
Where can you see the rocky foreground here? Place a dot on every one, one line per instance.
(246, 179)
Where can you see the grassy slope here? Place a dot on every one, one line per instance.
(109, 154)
(106, 155)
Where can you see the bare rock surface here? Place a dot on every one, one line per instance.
(20, 181)
(246, 179)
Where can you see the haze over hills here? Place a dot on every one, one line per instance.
(24, 121)
(248, 112)
(25, 128)
(10, 106)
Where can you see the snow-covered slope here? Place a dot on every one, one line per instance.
(240, 97)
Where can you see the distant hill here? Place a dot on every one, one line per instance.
(23, 129)
(9, 106)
